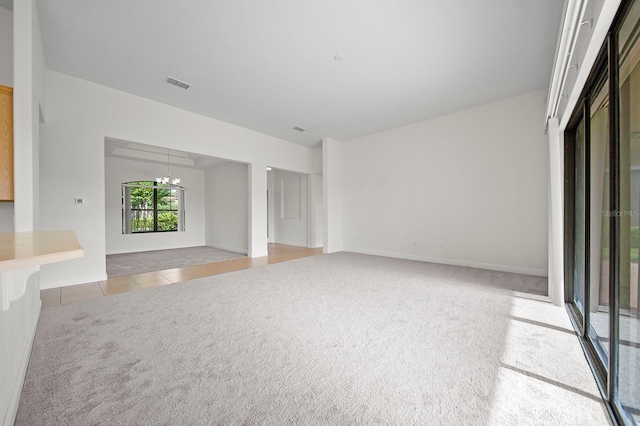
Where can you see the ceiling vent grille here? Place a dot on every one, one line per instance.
(177, 82)
(300, 129)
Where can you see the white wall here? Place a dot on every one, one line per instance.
(315, 200)
(227, 207)
(469, 188)
(118, 171)
(18, 324)
(6, 47)
(17, 329)
(258, 208)
(315, 205)
(6, 79)
(29, 98)
(6, 216)
(290, 208)
(81, 114)
(332, 195)
(271, 225)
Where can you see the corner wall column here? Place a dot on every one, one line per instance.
(332, 194)
(23, 117)
(257, 210)
(556, 214)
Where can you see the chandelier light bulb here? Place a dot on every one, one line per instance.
(167, 178)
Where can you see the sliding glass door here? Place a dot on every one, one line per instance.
(602, 217)
(600, 204)
(580, 217)
(628, 343)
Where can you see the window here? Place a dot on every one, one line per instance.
(602, 213)
(152, 207)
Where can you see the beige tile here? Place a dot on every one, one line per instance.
(220, 268)
(243, 261)
(260, 261)
(118, 281)
(51, 293)
(192, 275)
(201, 269)
(238, 266)
(110, 286)
(278, 259)
(50, 302)
(170, 271)
(175, 277)
(108, 290)
(76, 297)
(154, 283)
(119, 288)
(186, 276)
(80, 288)
(277, 253)
(146, 277)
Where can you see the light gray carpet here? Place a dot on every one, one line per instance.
(331, 339)
(158, 260)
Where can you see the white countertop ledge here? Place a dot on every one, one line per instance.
(19, 250)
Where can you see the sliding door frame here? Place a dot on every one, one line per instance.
(614, 190)
(581, 320)
(605, 65)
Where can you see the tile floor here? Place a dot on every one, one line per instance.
(277, 253)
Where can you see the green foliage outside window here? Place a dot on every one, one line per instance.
(153, 208)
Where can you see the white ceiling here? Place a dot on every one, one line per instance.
(269, 65)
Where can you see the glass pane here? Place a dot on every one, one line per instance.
(148, 207)
(141, 221)
(579, 234)
(167, 221)
(629, 339)
(598, 327)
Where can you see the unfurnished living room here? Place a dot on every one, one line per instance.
(329, 212)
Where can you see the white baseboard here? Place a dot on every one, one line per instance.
(229, 248)
(127, 250)
(455, 262)
(293, 243)
(14, 402)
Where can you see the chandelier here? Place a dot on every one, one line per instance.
(167, 179)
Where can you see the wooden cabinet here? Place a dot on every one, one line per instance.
(6, 143)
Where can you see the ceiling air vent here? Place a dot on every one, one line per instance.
(177, 82)
(300, 129)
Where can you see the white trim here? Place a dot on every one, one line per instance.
(554, 85)
(573, 14)
(229, 248)
(455, 262)
(556, 214)
(127, 251)
(14, 401)
(154, 186)
(600, 30)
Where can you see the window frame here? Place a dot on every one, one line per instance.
(606, 66)
(127, 209)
